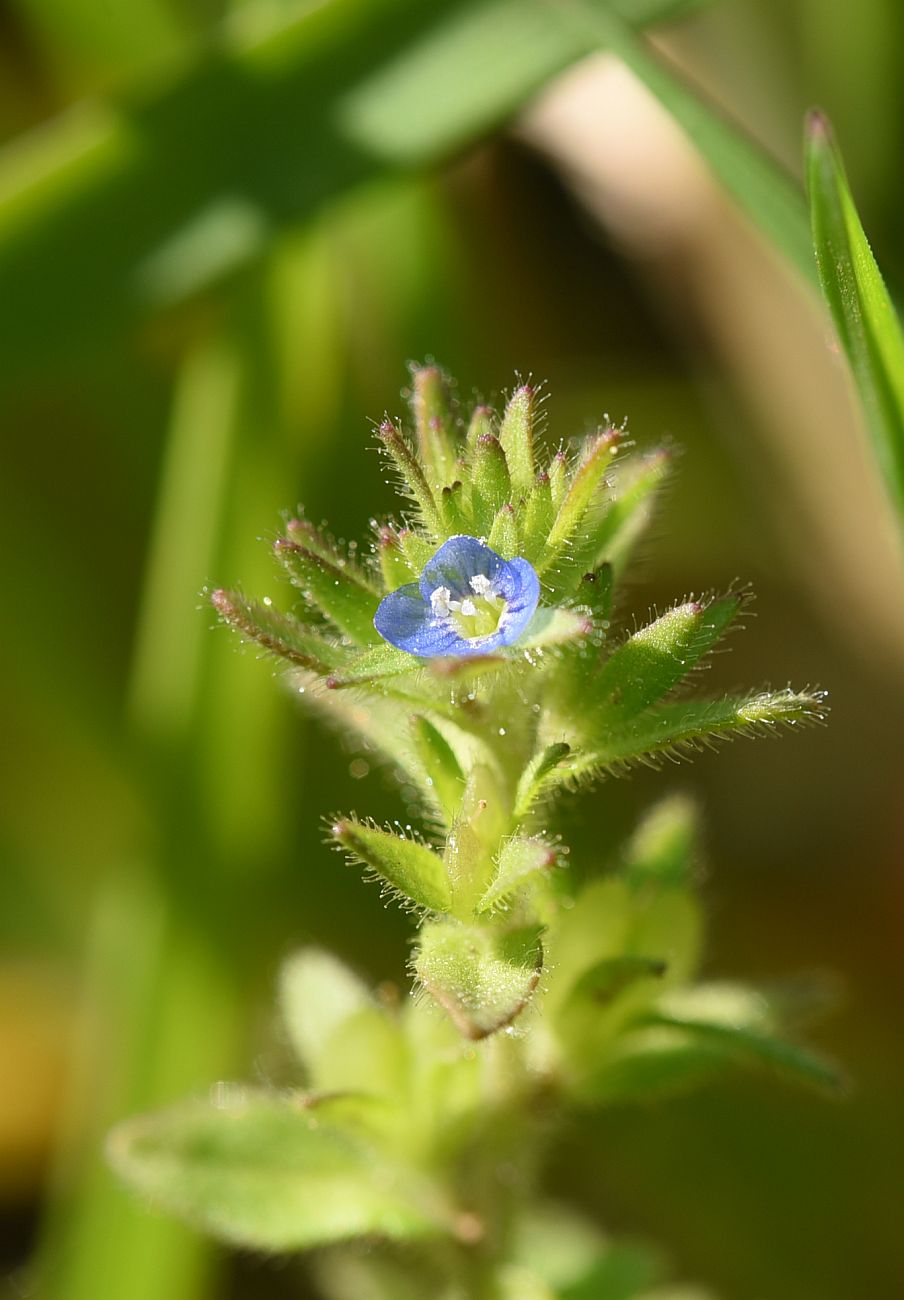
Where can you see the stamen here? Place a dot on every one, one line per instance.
(440, 602)
(481, 585)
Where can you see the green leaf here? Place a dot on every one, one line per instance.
(265, 1172)
(555, 627)
(278, 633)
(739, 1022)
(411, 477)
(662, 849)
(650, 1062)
(680, 728)
(442, 769)
(405, 865)
(394, 565)
(503, 536)
(317, 992)
(482, 424)
(374, 665)
(312, 539)
(861, 308)
(647, 666)
(491, 487)
(347, 603)
(763, 191)
(606, 979)
(538, 516)
(481, 977)
(135, 204)
(434, 425)
(516, 434)
(637, 481)
(453, 507)
(522, 860)
(534, 778)
(586, 481)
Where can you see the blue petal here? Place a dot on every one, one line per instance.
(456, 562)
(405, 619)
(519, 584)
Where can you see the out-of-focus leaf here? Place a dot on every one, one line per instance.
(482, 978)
(739, 1022)
(763, 191)
(262, 1171)
(112, 212)
(861, 308)
(441, 767)
(317, 993)
(661, 850)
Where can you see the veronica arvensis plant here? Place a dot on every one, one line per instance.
(475, 649)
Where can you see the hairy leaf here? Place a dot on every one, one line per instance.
(404, 864)
(278, 633)
(522, 860)
(336, 592)
(481, 977)
(679, 728)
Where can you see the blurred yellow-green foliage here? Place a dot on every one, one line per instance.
(224, 227)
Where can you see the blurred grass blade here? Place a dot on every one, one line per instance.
(115, 211)
(759, 186)
(861, 308)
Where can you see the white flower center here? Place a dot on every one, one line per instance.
(475, 616)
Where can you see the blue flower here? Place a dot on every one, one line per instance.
(469, 601)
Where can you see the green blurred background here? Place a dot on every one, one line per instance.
(225, 226)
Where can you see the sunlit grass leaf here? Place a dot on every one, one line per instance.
(110, 214)
(259, 1170)
(764, 192)
(861, 308)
